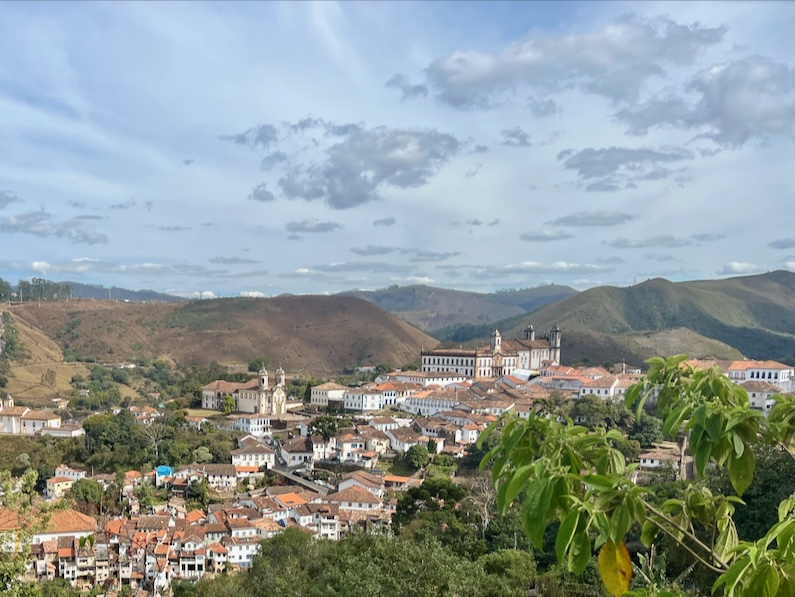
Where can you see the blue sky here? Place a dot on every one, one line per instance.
(310, 148)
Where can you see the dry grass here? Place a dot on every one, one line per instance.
(25, 381)
(305, 334)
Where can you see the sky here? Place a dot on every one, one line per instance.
(214, 149)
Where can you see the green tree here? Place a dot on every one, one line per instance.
(145, 493)
(647, 430)
(721, 428)
(199, 493)
(432, 446)
(416, 456)
(228, 405)
(202, 454)
(325, 426)
(87, 491)
(254, 365)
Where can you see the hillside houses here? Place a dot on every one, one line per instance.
(22, 420)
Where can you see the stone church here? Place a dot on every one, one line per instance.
(256, 396)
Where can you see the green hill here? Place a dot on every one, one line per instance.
(753, 314)
(430, 308)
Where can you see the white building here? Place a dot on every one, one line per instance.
(320, 395)
(362, 400)
(501, 357)
(258, 425)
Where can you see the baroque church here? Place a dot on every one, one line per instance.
(256, 396)
(501, 357)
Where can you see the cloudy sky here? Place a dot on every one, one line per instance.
(308, 148)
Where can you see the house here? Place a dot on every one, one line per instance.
(372, 483)
(403, 438)
(360, 400)
(760, 394)
(348, 447)
(65, 471)
(220, 476)
(320, 395)
(300, 450)
(196, 422)
(258, 425)
(58, 486)
(428, 378)
(658, 458)
(58, 523)
(64, 430)
(383, 423)
(354, 498)
(257, 455)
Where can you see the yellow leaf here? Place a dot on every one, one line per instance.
(615, 568)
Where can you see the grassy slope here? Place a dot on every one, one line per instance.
(24, 382)
(754, 314)
(304, 334)
(432, 309)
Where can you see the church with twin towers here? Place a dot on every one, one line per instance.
(500, 357)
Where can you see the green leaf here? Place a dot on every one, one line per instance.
(619, 524)
(580, 553)
(714, 426)
(739, 446)
(765, 582)
(649, 532)
(599, 481)
(701, 453)
(520, 477)
(566, 533)
(539, 494)
(741, 470)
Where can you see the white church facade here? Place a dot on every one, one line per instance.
(256, 396)
(501, 357)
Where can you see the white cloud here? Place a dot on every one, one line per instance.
(738, 267)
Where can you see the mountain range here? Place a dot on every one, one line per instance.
(751, 316)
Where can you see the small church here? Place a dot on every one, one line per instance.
(256, 396)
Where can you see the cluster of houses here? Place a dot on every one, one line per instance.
(151, 551)
(22, 420)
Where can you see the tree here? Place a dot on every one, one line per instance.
(416, 456)
(721, 428)
(202, 454)
(254, 365)
(228, 405)
(155, 432)
(199, 493)
(87, 491)
(432, 446)
(647, 430)
(325, 426)
(145, 493)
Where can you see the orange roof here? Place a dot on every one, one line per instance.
(290, 499)
(132, 474)
(60, 480)
(60, 521)
(246, 469)
(395, 479)
(217, 548)
(195, 516)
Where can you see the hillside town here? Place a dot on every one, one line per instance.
(289, 471)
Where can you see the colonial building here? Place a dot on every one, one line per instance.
(254, 396)
(500, 358)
